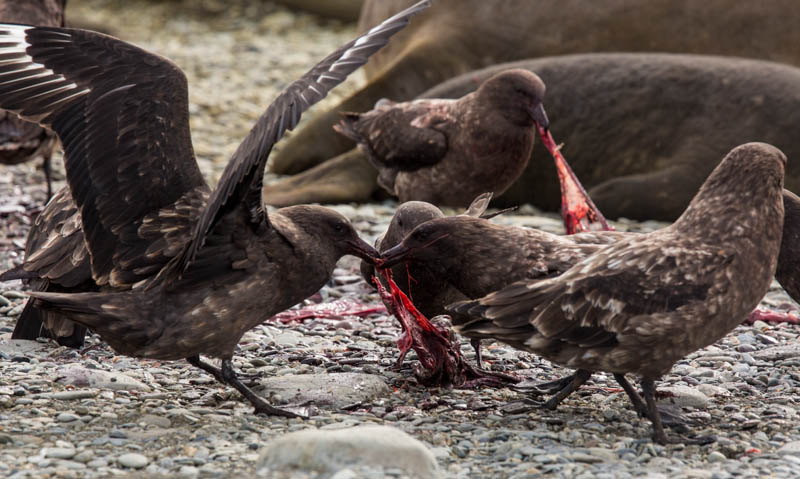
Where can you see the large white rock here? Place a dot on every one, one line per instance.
(329, 451)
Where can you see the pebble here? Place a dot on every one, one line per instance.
(59, 452)
(790, 449)
(133, 460)
(188, 471)
(67, 417)
(99, 379)
(73, 395)
(337, 389)
(716, 456)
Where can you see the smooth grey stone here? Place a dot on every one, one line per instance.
(336, 390)
(133, 460)
(330, 451)
(98, 379)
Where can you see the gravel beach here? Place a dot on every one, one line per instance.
(93, 414)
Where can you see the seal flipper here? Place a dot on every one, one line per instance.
(346, 178)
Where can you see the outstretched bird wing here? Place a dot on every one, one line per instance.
(121, 114)
(241, 182)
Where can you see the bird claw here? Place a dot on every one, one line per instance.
(522, 406)
(695, 440)
(543, 388)
(263, 407)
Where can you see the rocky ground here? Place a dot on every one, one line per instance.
(90, 413)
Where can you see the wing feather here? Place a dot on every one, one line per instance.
(121, 114)
(241, 182)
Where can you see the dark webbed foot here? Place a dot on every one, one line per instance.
(659, 436)
(580, 377)
(670, 415)
(549, 387)
(261, 406)
(227, 375)
(560, 388)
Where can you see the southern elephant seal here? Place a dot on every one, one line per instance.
(641, 131)
(347, 10)
(458, 36)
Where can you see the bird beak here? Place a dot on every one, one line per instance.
(393, 255)
(539, 116)
(364, 251)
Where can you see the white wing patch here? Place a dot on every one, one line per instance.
(15, 61)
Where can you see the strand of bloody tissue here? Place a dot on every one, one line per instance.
(398, 298)
(567, 193)
(334, 309)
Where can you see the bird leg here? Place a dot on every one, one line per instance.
(770, 316)
(210, 369)
(580, 377)
(577, 208)
(476, 345)
(649, 391)
(670, 415)
(227, 375)
(261, 406)
(638, 404)
(659, 436)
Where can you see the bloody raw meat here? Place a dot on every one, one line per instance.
(577, 209)
(440, 360)
(333, 310)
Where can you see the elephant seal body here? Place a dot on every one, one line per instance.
(347, 10)
(457, 36)
(641, 131)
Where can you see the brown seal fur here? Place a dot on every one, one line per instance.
(458, 36)
(788, 269)
(347, 10)
(641, 131)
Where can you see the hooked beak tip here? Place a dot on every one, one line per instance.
(539, 116)
(392, 256)
(364, 251)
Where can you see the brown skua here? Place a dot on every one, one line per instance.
(641, 304)
(184, 270)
